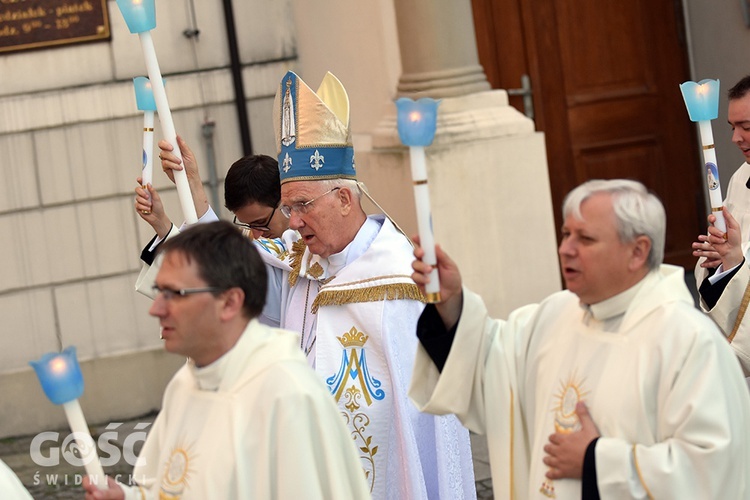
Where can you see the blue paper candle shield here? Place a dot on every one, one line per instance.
(144, 94)
(140, 15)
(60, 375)
(417, 120)
(701, 99)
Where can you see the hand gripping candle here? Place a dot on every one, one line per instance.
(140, 16)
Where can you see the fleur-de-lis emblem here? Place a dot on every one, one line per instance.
(317, 160)
(287, 163)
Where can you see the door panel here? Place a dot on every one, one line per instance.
(605, 77)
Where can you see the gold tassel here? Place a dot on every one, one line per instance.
(395, 291)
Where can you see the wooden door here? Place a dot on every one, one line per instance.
(605, 77)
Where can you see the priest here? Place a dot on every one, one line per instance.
(615, 388)
(245, 417)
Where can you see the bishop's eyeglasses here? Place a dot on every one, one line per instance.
(301, 207)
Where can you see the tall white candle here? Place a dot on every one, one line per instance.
(147, 174)
(712, 173)
(424, 219)
(85, 442)
(167, 125)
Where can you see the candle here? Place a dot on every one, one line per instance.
(62, 382)
(416, 128)
(702, 102)
(144, 97)
(140, 16)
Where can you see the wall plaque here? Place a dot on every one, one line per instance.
(33, 24)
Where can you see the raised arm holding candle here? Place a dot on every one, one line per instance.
(722, 274)
(702, 102)
(140, 16)
(417, 121)
(62, 382)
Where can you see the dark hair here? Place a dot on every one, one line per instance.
(252, 178)
(740, 89)
(225, 259)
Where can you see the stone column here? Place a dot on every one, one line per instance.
(438, 52)
(487, 169)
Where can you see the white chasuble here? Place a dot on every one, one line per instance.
(660, 382)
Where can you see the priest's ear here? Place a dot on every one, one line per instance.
(641, 251)
(232, 303)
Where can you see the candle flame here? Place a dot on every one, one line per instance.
(137, 2)
(702, 89)
(415, 116)
(58, 365)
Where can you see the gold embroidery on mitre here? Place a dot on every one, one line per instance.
(325, 115)
(298, 250)
(393, 291)
(353, 338)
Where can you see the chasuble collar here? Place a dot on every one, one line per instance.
(617, 305)
(314, 267)
(209, 377)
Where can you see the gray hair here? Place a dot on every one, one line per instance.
(347, 183)
(638, 212)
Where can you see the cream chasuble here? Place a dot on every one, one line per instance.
(256, 424)
(360, 310)
(10, 486)
(660, 382)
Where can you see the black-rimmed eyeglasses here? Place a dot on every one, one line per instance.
(170, 293)
(301, 207)
(257, 227)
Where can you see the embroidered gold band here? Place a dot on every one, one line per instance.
(740, 313)
(716, 209)
(640, 476)
(148, 129)
(710, 146)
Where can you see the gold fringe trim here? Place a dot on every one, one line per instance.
(298, 250)
(395, 291)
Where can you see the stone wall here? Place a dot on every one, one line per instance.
(70, 150)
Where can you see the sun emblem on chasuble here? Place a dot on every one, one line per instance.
(364, 388)
(566, 419)
(176, 474)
